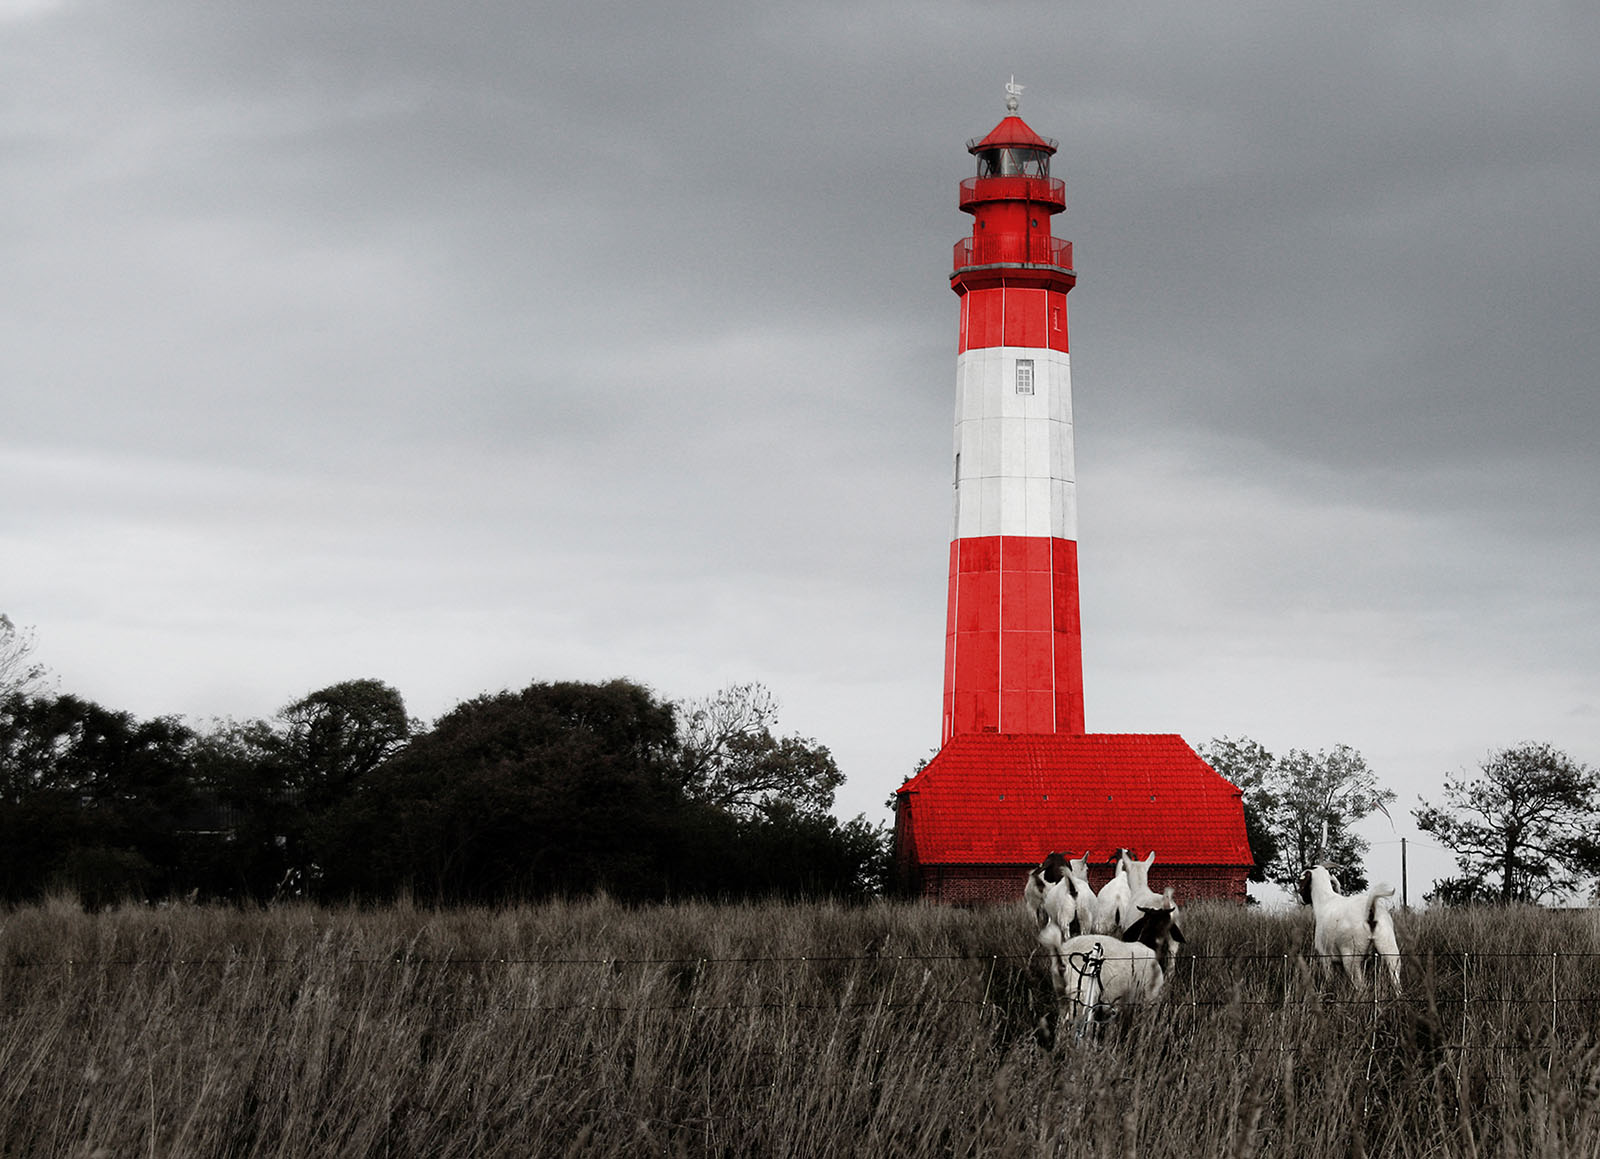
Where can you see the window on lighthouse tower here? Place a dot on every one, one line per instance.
(1024, 376)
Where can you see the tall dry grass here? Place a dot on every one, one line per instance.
(592, 1028)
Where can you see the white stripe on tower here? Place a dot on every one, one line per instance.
(1017, 473)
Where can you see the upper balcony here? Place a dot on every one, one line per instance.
(1031, 250)
(1047, 191)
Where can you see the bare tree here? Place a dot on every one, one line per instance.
(17, 672)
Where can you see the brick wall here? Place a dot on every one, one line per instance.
(994, 884)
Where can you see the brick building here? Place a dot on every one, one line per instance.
(990, 806)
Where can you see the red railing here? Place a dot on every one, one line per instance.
(1034, 249)
(1044, 190)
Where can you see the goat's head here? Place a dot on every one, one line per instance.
(1304, 884)
(1053, 868)
(1079, 866)
(1156, 922)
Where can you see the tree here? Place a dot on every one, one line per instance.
(338, 734)
(1247, 764)
(1305, 805)
(247, 806)
(731, 761)
(1523, 830)
(564, 787)
(89, 797)
(17, 673)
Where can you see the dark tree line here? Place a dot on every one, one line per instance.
(559, 788)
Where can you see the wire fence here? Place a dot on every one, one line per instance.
(1463, 1004)
(1555, 981)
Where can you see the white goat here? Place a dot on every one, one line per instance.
(1117, 907)
(1350, 928)
(1094, 974)
(1111, 907)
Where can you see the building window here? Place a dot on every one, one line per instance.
(1024, 376)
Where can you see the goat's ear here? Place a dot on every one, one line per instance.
(1136, 931)
(1150, 860)
(1175, 932)
(1334, 881)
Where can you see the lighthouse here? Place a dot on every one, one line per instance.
(1013, 649)
(1016, 776)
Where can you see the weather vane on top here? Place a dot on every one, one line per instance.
(1013, 92)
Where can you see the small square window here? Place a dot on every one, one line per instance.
(1024, 376)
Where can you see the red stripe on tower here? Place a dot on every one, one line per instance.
(1013, 652)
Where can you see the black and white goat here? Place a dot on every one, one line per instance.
(1058, 890)
(1040, 878)
(1350, 928)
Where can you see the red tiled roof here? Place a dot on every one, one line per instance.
(1010, 798)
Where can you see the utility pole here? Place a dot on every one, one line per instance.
(1403, 900)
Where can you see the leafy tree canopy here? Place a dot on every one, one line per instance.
(559, 787)
(87, 788)
(1300, 808)
(339, 734)
(1525, 829)
(730, 760)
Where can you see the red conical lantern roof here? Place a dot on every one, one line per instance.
(1012, 132)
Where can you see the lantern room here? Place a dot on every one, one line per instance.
(1012, 198)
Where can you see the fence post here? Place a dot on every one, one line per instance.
(1283, 1007)
(1464, 965)
(1553, 955)
(1194, 1003)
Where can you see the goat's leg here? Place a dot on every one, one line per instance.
(1392, 961)
(1355, 967)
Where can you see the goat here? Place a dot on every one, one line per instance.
(1140, 895)
(1093, 974)
(1112, 904)
(1117, 907)
(1139, 873)
(1059, 889)
(1040, 878)
(1069, 904)
(1350, 928)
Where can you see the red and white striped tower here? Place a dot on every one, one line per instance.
(1013, 651)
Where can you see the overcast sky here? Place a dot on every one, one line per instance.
(465, 345)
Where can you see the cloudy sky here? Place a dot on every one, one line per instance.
(463, 345)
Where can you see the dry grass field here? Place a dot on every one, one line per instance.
(591, 1028)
